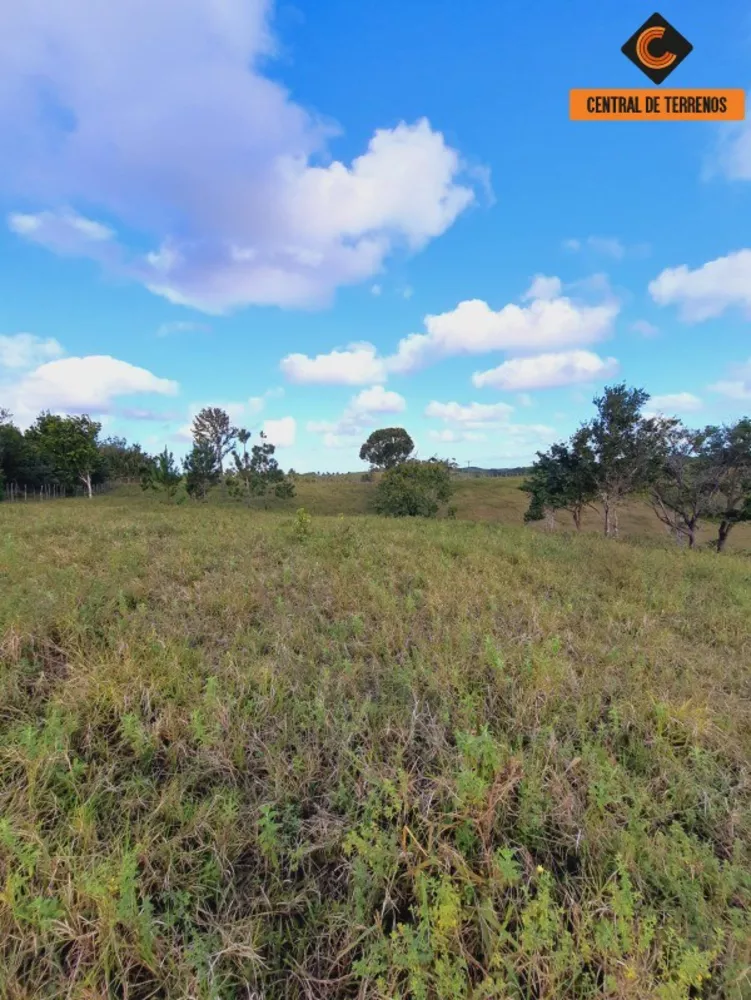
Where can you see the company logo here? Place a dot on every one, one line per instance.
(657, 48)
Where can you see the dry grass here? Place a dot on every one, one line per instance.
(241, 756)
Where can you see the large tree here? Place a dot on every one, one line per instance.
(212, 426)
(686, 487)
(729, 448)
(563, 478)
(387, 447)
(70, 445)
(625, 447)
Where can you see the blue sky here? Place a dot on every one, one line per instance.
(332, 216)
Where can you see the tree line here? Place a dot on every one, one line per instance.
(686, 475)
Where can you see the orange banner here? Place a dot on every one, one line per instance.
(690, 105)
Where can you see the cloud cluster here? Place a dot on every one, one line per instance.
(89, 384)
(160, 119)
(547, 371)
(546, 319)
(672, 404)
(738, 386)
(707, 291)
(359, 415)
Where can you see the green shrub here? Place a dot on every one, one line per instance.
(414, 489)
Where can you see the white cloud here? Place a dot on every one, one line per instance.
(706, 291)
(358, 364)
(543, 288)
(546, 371)
(80, 385)
(24, 350)
(738, 386)
(471, 415)
(375, 289)
(407, 292)
(64, 231)
(524, 399)
(377, 400)
(474, 328)
(281, 432)
(447, 436)
(550, 320)
(673, 403)
(159, 117)
(360, 414)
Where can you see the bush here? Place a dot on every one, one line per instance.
(414, 489)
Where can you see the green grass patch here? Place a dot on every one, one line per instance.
(247, 754)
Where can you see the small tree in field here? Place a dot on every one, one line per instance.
(257, 472)
(625, 448)
(414, 489)
(162, 474)
(212, 426)
(70, 445)
(729, 449)
(387, 447)
(563, 478)
(201, 469)
(686, 487)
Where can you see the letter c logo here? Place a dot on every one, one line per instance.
(643, 42)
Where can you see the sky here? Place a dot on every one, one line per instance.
(328, 217)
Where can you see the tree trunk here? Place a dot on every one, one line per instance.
(691, 532)
(577, 515)
(86, 480)
(722, 536)
(606, 508)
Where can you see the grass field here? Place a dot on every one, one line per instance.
(242, 756)
(476, 499)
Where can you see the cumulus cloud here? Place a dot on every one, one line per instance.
(24, 350)
(549, 319)
(706, 291)
(359, 415)
(160, 119)
(471, 414)
(552, 320)
(546, 371)
(358, 364)
(80, 385)
(281, 432)
(671, 404)
(544, 288)
(447, 436)
(738, 386)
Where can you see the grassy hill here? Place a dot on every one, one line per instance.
(497, 500)
(241, 758)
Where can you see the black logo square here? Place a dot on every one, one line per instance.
(657, 48)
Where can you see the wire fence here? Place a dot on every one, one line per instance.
(13, 493)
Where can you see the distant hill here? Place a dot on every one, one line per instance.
(473, 470)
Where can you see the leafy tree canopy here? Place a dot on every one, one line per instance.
(387, 447)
